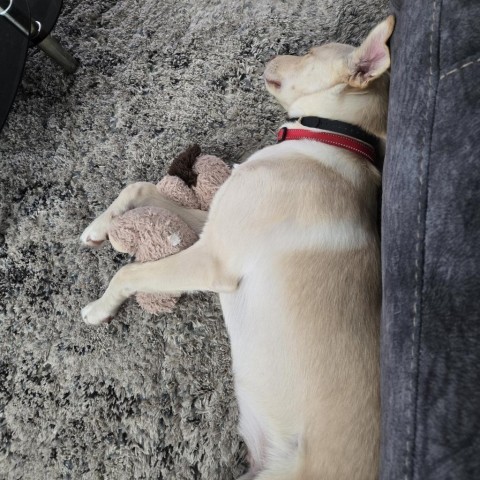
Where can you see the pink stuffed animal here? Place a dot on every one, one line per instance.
(152, 233)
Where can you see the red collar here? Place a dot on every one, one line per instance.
(343, 141)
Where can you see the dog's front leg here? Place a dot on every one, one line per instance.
(196, 268)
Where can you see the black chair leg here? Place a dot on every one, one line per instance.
(61, 56)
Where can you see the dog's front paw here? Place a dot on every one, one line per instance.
(96, 233)
(96, 313)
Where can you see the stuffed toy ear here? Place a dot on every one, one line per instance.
(372, 58)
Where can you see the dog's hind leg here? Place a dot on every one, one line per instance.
(140, 194)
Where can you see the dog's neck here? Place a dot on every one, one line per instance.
(332, 126)
(331, 132)
(365, 108)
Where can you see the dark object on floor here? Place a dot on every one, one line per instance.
(22, 24)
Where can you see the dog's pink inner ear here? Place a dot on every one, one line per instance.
(372, 58)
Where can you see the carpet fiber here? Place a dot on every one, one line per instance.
(147, 397)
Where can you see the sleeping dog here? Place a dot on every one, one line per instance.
(291, 245)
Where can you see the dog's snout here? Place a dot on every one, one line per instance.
(271, 75)
(270, 67)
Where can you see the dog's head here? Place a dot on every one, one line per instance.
(337, 81)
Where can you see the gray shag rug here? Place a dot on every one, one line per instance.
(146, 397)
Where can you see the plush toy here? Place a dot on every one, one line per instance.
(152, 233)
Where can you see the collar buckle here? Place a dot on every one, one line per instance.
(282, 134)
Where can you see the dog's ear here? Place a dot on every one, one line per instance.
(372, 57)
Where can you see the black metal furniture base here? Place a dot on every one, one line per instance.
(12, 56)
(25, 23)
(45, 12)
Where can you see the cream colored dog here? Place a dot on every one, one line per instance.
(291, 245)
